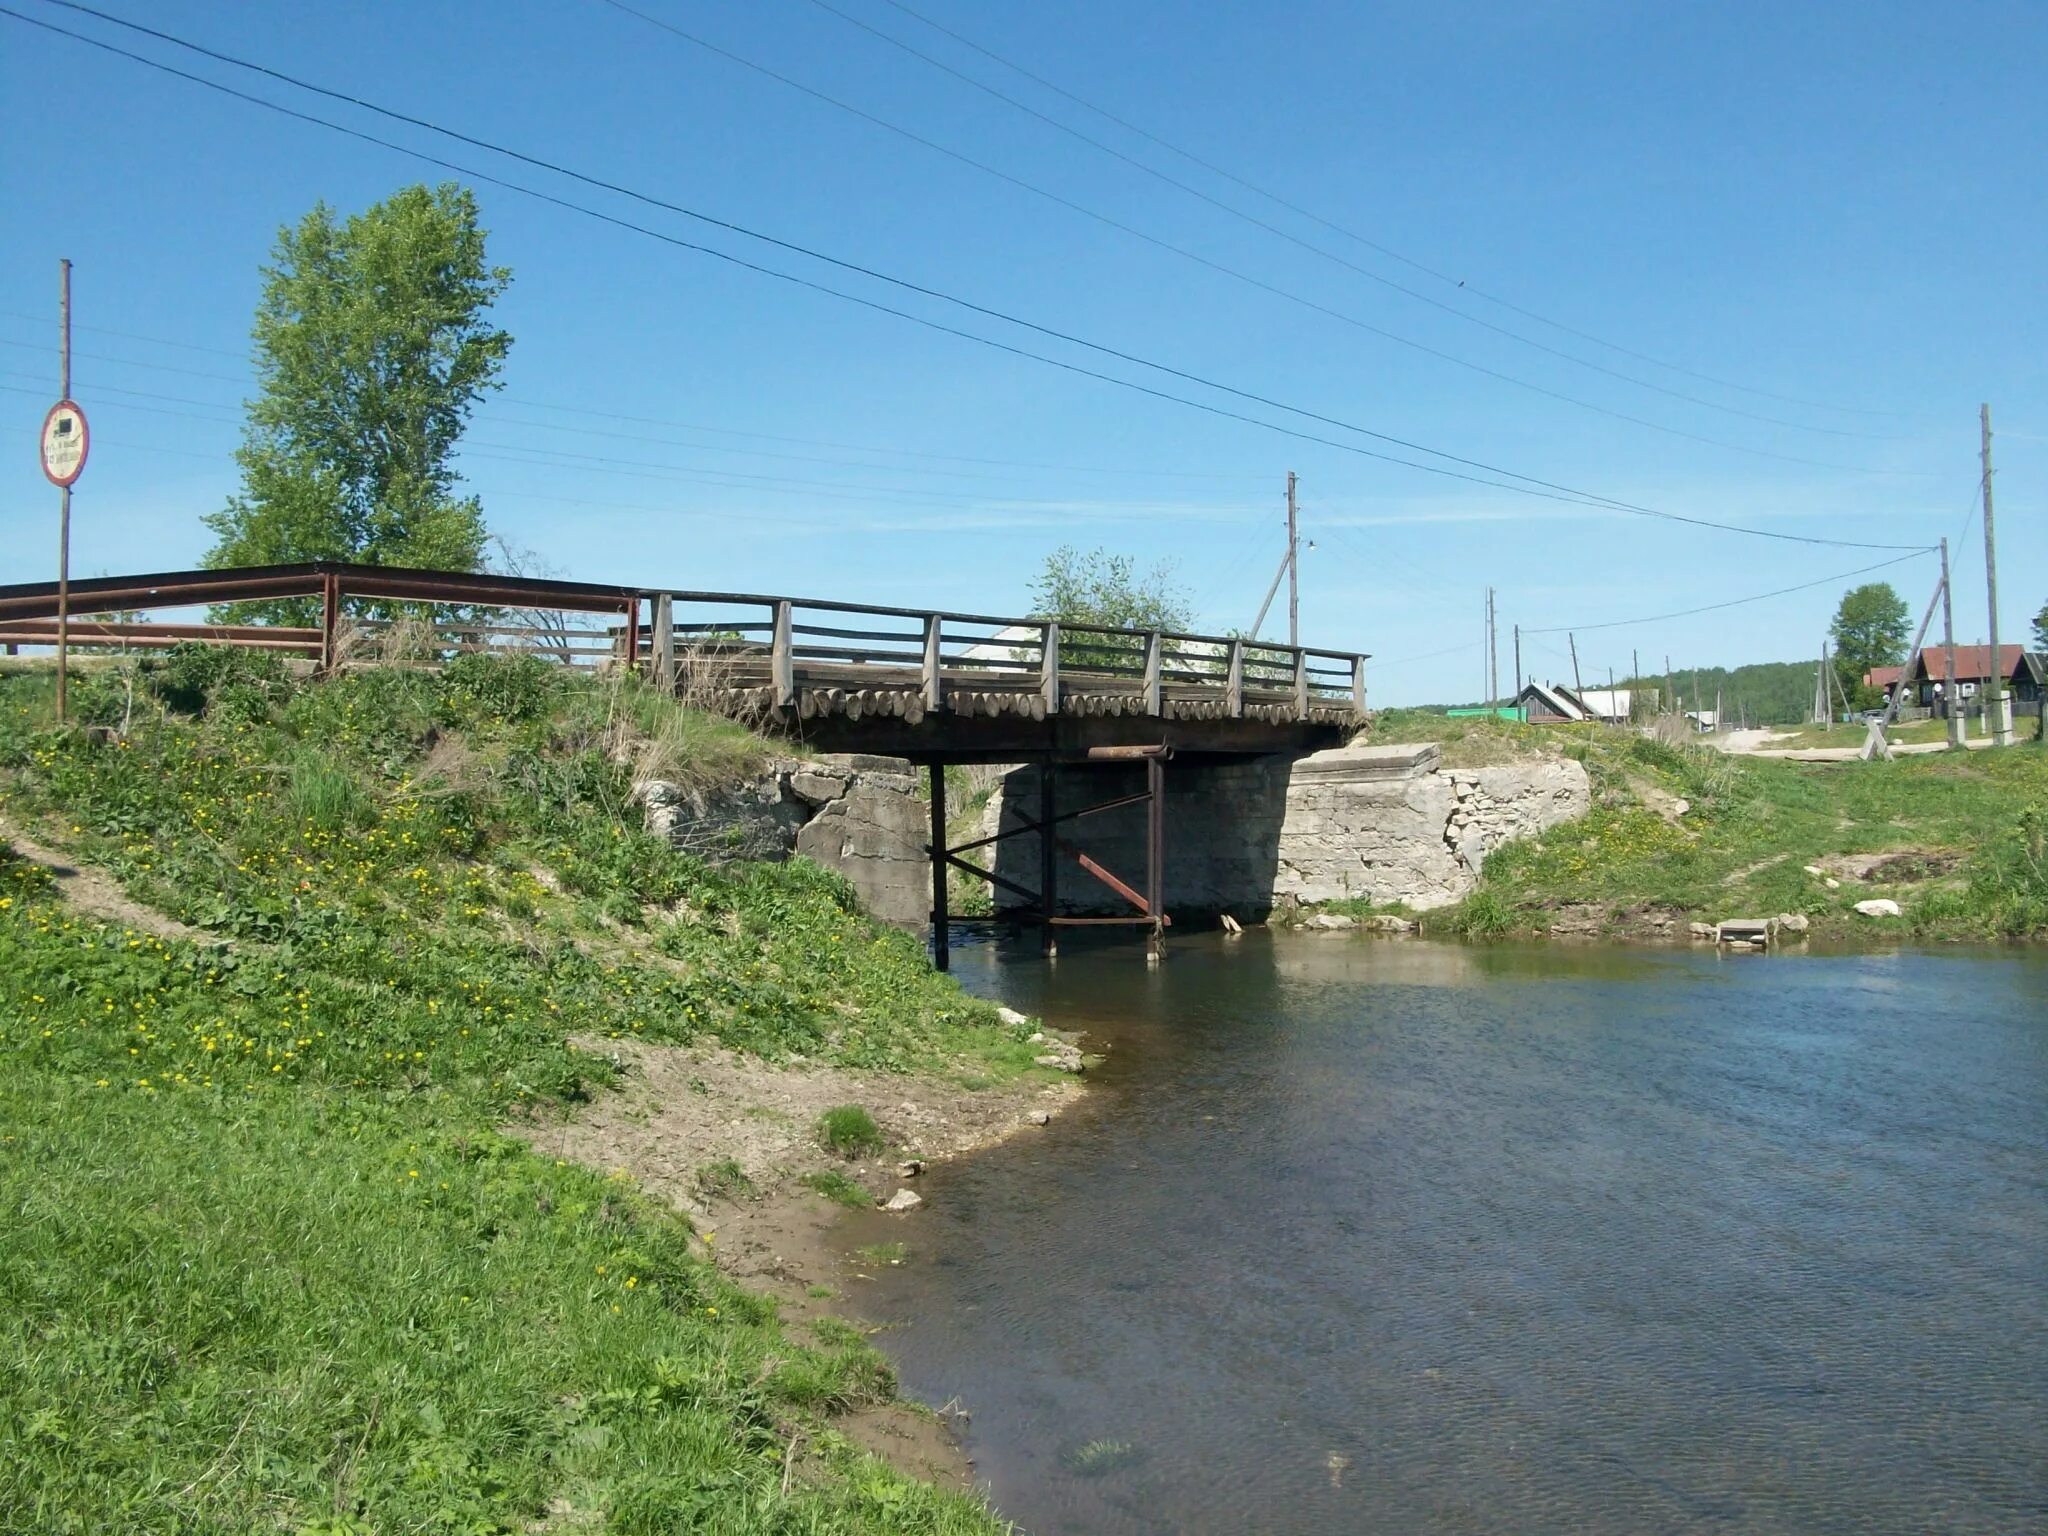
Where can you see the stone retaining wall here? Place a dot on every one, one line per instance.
(857, 814)
(1380, 823)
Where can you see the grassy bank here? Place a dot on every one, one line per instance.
(1955, 838)
(272, 1262)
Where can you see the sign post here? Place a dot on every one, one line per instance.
(65, 441)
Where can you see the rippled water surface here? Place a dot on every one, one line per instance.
(1368, 1236)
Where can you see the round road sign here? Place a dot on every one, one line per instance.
(64, 442)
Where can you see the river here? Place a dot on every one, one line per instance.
(1364, 1236)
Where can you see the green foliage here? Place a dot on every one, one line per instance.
(883, 1253)
(838, 1188)
(1870, 630)
(849, 1130)
(2041, 629)
(1101, 588)
(372, 348)
(242, 684)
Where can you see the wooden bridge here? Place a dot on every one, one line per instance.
(932, 686)
(924, 684)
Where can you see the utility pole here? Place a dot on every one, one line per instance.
(1994, 701)
(64, 514)
(1492, 653)
(1518, 671)
(1948, 648)
(1670, 687)
(1293, 567)
(1577, 687)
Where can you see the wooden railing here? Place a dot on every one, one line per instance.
(801, 655)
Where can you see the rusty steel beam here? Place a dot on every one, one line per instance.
(30, 632)
(1109, 880)
(1128, 754)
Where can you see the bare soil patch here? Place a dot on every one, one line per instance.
(95, 893)
(686, 1118)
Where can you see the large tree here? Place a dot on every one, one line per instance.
(373, 345)
(1870, 630)
(2041, 629)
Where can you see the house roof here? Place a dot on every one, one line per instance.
(1973, 663)
(1882, 677)
(1558, 701)
(1607, 703)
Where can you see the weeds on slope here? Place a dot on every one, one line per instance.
(269, 1262)
(1752, 828)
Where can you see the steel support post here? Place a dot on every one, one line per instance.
(942, 958)
(1048, 860)
(1155, 855)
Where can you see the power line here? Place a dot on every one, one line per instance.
(1223, 268)
(639, 469)
(1240, 476)
(1306, 245)
(1737, 602)
(1461, 284)
(1532, 486)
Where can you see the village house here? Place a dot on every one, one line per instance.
(1925, 678)
(1554, 704)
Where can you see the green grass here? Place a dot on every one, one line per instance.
(839, 1189)
(270, 1261)
(849, 1131)
(1755, 825)
(883, 1253)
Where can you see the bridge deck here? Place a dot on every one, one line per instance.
(927, 684)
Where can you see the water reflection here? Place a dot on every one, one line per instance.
(1411, 1237)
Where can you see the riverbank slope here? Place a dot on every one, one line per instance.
(294, 980)
(1679, 833)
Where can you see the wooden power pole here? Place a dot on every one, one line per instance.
(1577, 687)
(64, 512)
(1949, 701)
(1492, 653)
(1293, 567)
(1995, 717)
(1518, 671)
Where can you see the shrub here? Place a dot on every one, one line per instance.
(199, 679)
(503, 688)
(849, 1130)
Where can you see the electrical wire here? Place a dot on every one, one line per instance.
(1065, 202)
(1686, 613)
(1234, 273)
(1461, 284)
(1295, 240)
(1532, 486)
(551, 458)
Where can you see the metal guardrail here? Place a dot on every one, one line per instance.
(798, 654)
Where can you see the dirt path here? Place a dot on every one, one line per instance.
(95, 893)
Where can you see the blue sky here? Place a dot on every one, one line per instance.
(1840, 209)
